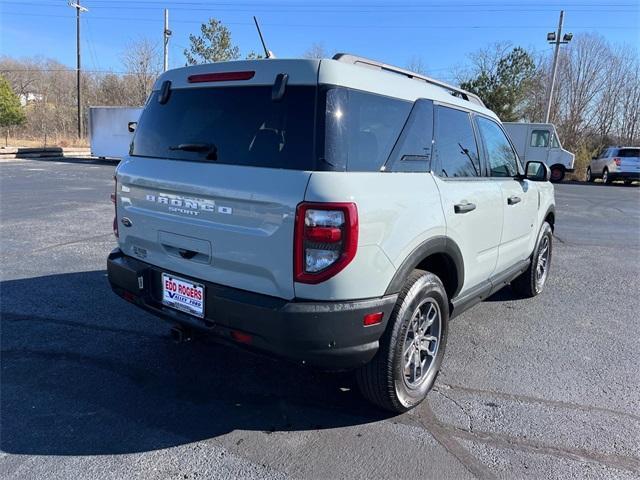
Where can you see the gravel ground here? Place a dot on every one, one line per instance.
(91, 387)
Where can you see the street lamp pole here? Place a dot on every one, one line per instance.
(557, 39)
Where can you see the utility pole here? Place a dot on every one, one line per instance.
(557, 39)
(166, 33)
(79, 9)
(78, 89)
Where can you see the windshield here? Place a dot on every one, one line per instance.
(231, 125)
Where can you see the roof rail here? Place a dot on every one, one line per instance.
(368, 63)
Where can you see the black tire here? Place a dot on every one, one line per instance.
(528, 284)
(605, 177)
(557, 173)
(589, 176)
(382, 381)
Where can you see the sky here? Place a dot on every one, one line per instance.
(442, 34)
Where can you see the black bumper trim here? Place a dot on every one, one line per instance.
(323, 334)
(624, 175)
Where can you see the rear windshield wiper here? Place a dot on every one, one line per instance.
(210, 149)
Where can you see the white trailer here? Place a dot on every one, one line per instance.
(540, 142)
(110, 130)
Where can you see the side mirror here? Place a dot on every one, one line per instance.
(131, 126)
(537, 172)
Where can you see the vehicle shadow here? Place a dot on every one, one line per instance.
(505, 294)
(600, 184)
(82, 160)
(84, 373)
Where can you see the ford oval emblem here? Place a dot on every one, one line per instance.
(126, 222)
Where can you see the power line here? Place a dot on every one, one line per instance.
(319, 25)
(90, 45)
(357, 8)
(271, 4)
(67, 70)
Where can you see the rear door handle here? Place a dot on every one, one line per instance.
(464, 207)
(513, 200)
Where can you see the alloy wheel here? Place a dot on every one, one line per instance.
(421, 343)
(542, 262)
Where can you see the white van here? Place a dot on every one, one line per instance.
(110, 130)
(540, 142)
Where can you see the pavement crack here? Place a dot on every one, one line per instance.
(459, 405)
(555, 236)
(64, 244)
(543, 401)
(442, 434)
(621, 462)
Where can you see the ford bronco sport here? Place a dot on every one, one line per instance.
(334, 212)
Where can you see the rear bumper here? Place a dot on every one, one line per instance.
(324, 334)
(634, 175)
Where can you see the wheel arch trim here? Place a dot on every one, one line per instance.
(550, 211)
(435, 245)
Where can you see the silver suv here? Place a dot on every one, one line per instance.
(333, 212)
(615, 163)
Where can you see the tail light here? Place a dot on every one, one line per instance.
(325, 240)
(618, 161)
(114, 200)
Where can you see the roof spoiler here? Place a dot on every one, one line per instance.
(368, 63)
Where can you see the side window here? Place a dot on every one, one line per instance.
(540, 138)
(501, 158)
(361, 128)
(455, 143)
(554, 141)
(412, 151)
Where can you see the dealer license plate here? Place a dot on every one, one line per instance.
(183, 295)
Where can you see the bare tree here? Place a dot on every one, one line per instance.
(316, 50)
(581, 80)
(143, 64)
(630, 105)
(597, 101)
(416, 64)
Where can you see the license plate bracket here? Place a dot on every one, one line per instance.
(183, 295)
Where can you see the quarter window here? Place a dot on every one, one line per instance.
(540, 138)
(455, 143)
(501, 158)
(412, 152)
(361, 129)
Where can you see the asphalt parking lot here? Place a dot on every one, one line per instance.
(93, 388)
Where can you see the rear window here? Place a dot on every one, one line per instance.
(231, 125)
(629, 152)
